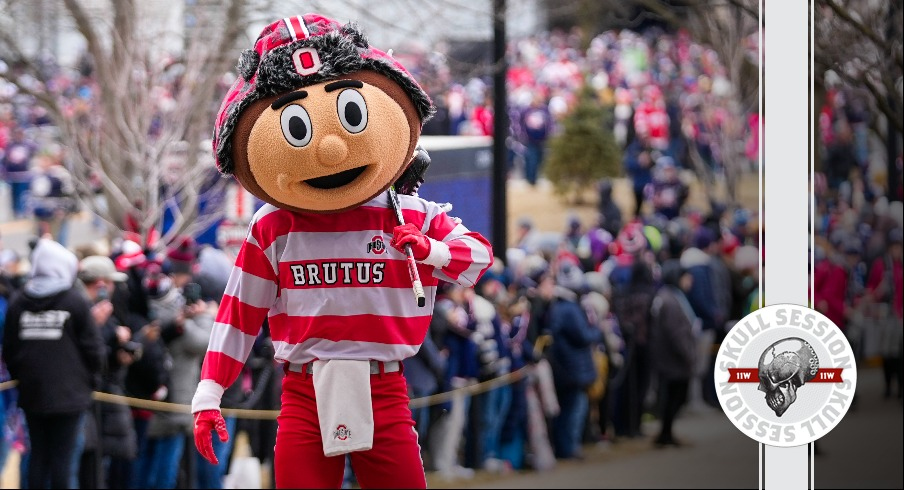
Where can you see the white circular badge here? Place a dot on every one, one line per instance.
(785, 375)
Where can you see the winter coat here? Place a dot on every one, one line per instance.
(50, 342)
(885, 283)
(573, 340)
(425, 370)
(187, 351)
(702, 293)
(672, 344)
(830, 285)
(640, 175)
(631, 299)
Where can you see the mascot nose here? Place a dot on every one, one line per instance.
(331, 150)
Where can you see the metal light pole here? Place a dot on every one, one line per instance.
(500, 131)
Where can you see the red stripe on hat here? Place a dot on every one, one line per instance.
(297, 28)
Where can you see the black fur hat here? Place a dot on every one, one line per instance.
(296, 52)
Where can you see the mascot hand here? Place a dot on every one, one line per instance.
(206, 421)
(408, 234)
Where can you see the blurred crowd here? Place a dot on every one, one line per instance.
(670, 96)
(617, 320)
(857, 268)
(132, 323)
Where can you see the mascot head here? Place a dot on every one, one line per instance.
(318, 120)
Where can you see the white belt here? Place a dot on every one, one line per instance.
(388, 367)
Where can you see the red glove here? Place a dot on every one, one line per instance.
(408, 234)
(206, 421)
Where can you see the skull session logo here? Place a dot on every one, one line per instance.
(785, 375)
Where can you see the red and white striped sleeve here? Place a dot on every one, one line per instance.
(251, 290)
(458, 255)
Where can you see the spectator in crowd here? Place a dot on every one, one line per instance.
(149, 377)
(638, 161)
(115, 429)
(885, 287)
(186, 321)
(52, 320)
(631, 301)
(830, 284)
(536, 122)
(697, 261)
(841, 159)
(610, 214)
(424, 374)
(667, 192)
(462, 369)
(495, 356)
(673, 346)
(53, 196)
(571, 357)
(17, 160)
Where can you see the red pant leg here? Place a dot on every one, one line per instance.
(298, 460)
(395, 460)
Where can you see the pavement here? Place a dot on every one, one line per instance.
(863, 451)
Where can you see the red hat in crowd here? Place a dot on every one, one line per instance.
(296, 52)
(181, 258)
(730, 242)
(132, 256)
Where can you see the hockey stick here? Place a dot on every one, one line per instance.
(412, 265)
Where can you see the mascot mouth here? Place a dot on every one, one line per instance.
(336, 180)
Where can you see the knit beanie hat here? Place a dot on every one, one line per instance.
(297, 52)
(131, 255)
(181, 258)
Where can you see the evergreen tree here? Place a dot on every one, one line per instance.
(585, 151)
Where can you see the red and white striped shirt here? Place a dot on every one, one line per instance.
(333, 288)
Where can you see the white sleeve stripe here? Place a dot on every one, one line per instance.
(271, 252)
(456, 232)
(251, 289)
(231, 341)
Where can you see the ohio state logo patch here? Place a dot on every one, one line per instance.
(376, 245)
(342, 433)
(785, 375)
(306, 61)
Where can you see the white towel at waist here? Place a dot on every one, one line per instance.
(344, 406)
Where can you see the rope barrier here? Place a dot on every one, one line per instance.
(425, 401)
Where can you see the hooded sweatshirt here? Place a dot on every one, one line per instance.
(51, 344)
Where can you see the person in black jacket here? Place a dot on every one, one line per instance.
(672, 345)
(54, 349)
(115, 429)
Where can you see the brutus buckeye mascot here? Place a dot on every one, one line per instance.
(320, 126)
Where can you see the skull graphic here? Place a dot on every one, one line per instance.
(784, 367)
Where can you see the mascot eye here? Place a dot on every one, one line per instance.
(296, 125)
(352, 111)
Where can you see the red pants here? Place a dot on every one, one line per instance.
(393, 462)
